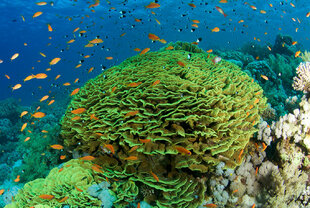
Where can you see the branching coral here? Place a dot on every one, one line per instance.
(302, 81)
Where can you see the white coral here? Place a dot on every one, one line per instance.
(302, 81)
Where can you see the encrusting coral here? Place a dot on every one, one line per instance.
(160, 118)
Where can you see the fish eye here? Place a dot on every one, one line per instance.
(180, 30)
(192, 30)
(79, 143)
(70, 109)
(189, 56)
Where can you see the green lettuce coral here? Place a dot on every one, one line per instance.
(66, 185)
(170, 114)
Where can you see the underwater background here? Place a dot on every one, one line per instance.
(134, 103)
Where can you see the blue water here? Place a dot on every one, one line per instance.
(109, 21)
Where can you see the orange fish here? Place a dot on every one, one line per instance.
(49, 27)
(294, 42)
(169, 48)
(57, 77)
(145, 140)
(75, 91)
(96, 41)
(76, 29)
(14, 56)
(155, 176)
(17, 86)
(138, 205)
(195, 25)
(152, 5)
(66, 84)
(91, 69)
(44, 98)
(93, 117)
(23, 127)
(153, 37)
(131, 158)
(134, 84)
(297, 53)
(158, 22)
(17, 179)
(78, 66)
(195, 21)
(209, 51)
(220, 10)
(182, 150)
(192, 5)
(89, 45)
(1, 191)
(253, 7)
(133, 148)
(38, 115)
(156, 82)
(71, 41)
(216, 29)
(7, 76)
(210, 205)
(144, 51)
(40, 76)
(269, 48)
(240, 154)
(110, 147)
(223, 1)
(87, 158)
(109, 58)
(26, 139)
(23, 113)
(37, 14)
(308, 14)
(78, 111)
(57, 146)
(256, 100)
(253, 206)
(51, 102)
(63, 199)
(42, 3)
(132, 113)
(180, 63)
(113, 89)
(62, 157)
(46, 196)
(78, 189)
(95, 168)
(137, 49)
(264, 77)
(55, 61)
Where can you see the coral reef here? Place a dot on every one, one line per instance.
(158, 118)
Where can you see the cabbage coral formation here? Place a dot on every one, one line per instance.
(167, 114)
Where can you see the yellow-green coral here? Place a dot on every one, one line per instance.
(160, 101)
(68, 181)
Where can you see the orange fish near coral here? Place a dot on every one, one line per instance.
(87, 158)
(131, 158)
(78, 111)
(182, 150)
(38, 115)
(110, 147)
(17, 179)
(75, 91)
(156, 82)
(153, 37)
(1, 191)
(57, 146)
(155, 176)
(220, 10)
(144, 51)
(63, 199)
(134, 84)
(132, 113)
(46, 196)
(210, 205)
